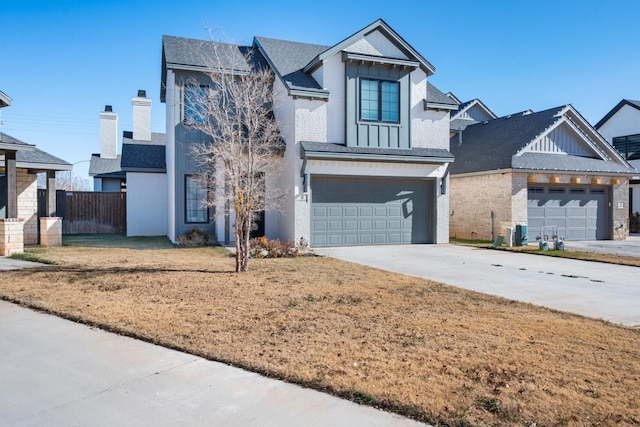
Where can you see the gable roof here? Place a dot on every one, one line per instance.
(498, 144)
(465, 106)
(614, 110)
(143, 156)
(383, 27)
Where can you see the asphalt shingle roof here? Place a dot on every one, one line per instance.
(436, 96)
(34, 157)
(493, 145)
(38, 156)
(202, 53)
(143, 155)
(99, 165)
(8, 139)
(289, 58)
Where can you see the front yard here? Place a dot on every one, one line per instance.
(430, 351)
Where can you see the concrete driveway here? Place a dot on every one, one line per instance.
(54, 372)
(629, 247)
(604, 291)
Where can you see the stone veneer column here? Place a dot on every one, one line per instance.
(11, 236)
(50, 231)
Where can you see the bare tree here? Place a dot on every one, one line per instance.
(65, 181)
(243, 151)
(69, 182)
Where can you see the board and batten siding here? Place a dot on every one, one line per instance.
(562, 139)
(361, 133)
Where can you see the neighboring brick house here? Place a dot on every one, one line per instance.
(19, 164)
(549, 168)
(366, 133)
(621, 128)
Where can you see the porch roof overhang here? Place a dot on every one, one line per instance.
(330, 151)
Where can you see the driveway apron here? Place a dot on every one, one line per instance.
(604, 291)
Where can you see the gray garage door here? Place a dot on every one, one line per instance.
(580, 213)
(369, 211)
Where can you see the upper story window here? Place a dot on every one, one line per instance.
(628, 146)
(194, 104)
(379, 100)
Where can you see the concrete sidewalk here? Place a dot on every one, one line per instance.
(16, 264)
(603, 291)
(54, 372)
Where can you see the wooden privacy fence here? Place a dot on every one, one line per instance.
(87, 212)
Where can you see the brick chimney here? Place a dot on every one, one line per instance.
(108, 133)
(141, 117)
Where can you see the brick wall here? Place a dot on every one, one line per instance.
(480, 206)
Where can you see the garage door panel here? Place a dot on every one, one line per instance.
(394, 225)
(335, 211)
(380, 212)
(319, 226)
(576, 222)
(335, 225)
(395, 211)
(379, 225)
(380, 238)
(372, 211)
(351, 225)
(351, 211)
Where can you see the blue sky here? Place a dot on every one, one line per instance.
(63, 61)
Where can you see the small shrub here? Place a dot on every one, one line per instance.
(261, 247)
(490, 404)
(196, 237)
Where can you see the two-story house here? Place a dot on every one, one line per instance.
(621, 128)
(366, 134)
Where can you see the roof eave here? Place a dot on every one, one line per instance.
(323, 155)
(44, 166)
(438, 106)
(307, 93)
(16, 147)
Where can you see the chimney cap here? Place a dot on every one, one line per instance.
(142, 93)
(108, 109)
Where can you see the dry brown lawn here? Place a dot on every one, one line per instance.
(430, 351)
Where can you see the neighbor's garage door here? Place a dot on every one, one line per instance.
(369, 211)
(580, 213)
